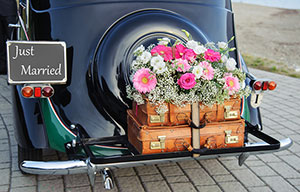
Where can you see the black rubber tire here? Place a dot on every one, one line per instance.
(28, 154)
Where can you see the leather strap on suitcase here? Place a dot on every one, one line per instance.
(195, 131)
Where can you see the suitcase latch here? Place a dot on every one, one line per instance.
(158, 144)
(230, 114)
(157, 118)
(230, 139)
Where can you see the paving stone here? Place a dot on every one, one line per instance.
(292, 160)
(171, 171)
(159, 186)
(233, 165)
(177, 179)
(4, 175)
(214, 167)
(28, 180)
(260, 189)
(199, 177)
(48, 177)
(232, 186)
(227, 158)
(179, 187)
(51, 185)
(247, 177)
(77, 180)
(4, 145)
(130, 184)
(277, 183)
(5, 108)
(147, 178)
(166, 164)
(295, 137)
(295, 148)
(124, 172)
(263, 171)
(16, 174)
(3, 134)
(4, 188)
(223, 178)
(283, 153)
(210, 188)
(4, 166)
(79, 189)
(254, 163)
(147, 170)
(8, 120)
(295, 182)
(285, 170)
(24, 189)
(268, 158)
(189, 164)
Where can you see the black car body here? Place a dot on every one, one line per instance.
(100, 37)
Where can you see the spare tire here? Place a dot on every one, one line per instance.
(109, 72)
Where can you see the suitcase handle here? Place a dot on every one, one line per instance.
(194, 151)
(202, 123)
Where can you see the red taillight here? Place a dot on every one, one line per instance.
(27, 91)
(272, 85)
(47, 91)
(265, 85)
(37, 92)
(257, 85)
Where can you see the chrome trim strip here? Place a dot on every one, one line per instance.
(84, 166)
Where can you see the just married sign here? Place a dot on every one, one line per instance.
(36, 62)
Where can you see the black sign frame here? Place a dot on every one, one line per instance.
(36, 62)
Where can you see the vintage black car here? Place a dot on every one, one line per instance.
(83, 111)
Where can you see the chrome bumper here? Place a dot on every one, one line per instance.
(85, 166)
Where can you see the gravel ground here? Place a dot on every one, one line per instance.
(272, 33)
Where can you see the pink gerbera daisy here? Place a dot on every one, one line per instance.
(208, 70)
(212, 56)
(144, 81)
(165, 52)
(180, 50)
(232, 83)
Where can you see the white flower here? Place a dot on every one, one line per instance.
(139, 50)
(164, 41)
(144, 57)
(224, 58)
(199, 49)
(134, 63)
(230, 64)
(156, 59)
(222, 45)
(197, 71)
(191, 44)
(243, 85)
(160, 67)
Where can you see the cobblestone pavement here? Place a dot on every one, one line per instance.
(270, 172)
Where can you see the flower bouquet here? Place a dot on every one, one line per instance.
(179, 74)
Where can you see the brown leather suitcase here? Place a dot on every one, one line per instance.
(229, 110)
(175, 115)
(159, 139)
(146, 114)
(223, 134)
